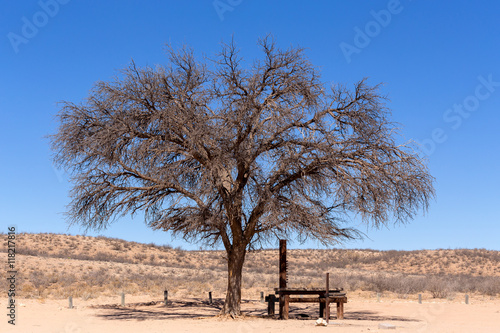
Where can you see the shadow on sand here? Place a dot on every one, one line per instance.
(198, 309)
(195, 308)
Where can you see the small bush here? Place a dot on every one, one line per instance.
(439, 287)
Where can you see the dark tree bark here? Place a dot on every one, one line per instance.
(236, 258)
(240, 156)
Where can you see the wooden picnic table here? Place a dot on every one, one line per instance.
(312, 296)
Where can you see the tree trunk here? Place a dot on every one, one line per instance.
(236, 259)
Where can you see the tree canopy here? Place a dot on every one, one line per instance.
(238, 153)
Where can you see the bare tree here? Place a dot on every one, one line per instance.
(215, 151)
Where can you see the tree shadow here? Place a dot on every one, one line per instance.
(374, 316)
(157, 310)
(312, 312)
(308, 312)
(197, 308)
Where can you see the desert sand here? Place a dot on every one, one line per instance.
(96, 270)
(142, 314)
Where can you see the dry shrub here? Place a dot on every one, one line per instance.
(439, 287)
(39, 280)
(27, 290)
(140, 257)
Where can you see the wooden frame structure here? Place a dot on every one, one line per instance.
(322, 296)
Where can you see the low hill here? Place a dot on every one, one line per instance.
(54, 265)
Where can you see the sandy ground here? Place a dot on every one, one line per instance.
(142, 314)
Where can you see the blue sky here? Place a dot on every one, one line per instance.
(439, 61)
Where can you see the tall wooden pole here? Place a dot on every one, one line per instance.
(282, 284)
(327, 298)
(283, 276)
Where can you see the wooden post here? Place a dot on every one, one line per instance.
(123, 299)
(281, 306)
(466, 299)
(283, 267)
(378, 297)
(321, 308)
(282, 277)
(327, 298)
(210, 297)
(70, 301)
(340, 310)
(271, 299)
(262, 296)
(419, 298)
(286, 306)
(165, 296)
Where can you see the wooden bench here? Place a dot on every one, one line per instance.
(322, 296)
(311, 296)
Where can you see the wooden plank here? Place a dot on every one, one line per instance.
(306, 290)
(341, 299)
(340, 310)
(309, 292)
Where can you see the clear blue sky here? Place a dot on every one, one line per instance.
(440, 62)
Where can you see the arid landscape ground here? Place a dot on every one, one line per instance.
(95, 271)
